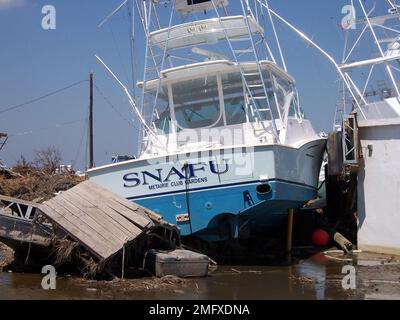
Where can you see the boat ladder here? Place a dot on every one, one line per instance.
(254, 81)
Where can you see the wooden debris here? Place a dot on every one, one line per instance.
(98, 219)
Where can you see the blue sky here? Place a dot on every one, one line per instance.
(34, 62)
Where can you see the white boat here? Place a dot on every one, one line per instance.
(225, 147)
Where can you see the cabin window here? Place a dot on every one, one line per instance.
(295, 110)
(161, 117)
(191, 2)
(196, 103)
(283, 90)
(235, 107)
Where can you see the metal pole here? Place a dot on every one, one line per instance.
(389, 71)
(123, 262)
(91, 162)
(289, 231)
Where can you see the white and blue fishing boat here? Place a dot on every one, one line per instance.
(225, 149)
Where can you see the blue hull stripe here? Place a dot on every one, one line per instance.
(220, 187)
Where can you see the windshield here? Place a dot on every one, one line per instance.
(196, 103)
(161, 116)
(235, 107)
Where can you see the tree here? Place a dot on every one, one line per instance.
(48, 159)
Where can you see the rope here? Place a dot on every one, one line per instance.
(59, 125)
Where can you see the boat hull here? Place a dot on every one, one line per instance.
(213, 194)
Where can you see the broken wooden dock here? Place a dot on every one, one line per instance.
(101, 222)
(17, 223)
(98, 219)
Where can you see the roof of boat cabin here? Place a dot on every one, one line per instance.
(195, 70)
(203, 31)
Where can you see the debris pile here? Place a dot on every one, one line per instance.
(167, 283)
(6, 255)
(90, 231)
(50, 215)
(28, 182)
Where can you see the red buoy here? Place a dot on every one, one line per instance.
(320, 238)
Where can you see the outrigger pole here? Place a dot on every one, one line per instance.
(112, 13)
(132, 102)
(327, 55)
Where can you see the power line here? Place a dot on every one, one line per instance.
(42, 97)
(58, 125)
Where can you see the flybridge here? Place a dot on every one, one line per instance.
(205, 32)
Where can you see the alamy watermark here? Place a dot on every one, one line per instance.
(349, 20)
(50, 278)
(49, 20)
(349, 280)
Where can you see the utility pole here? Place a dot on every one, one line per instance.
(91, 161)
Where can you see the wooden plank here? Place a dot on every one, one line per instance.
(94, 211)
(139, 209)
(96, 225)
(335, 154)
(74, 231)
(125, 225)
(121, 200)
(128, 209)
(77, 228)
(100, 220)
(86, 234)
(155, 216)
(89, 211)
(119, 222)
